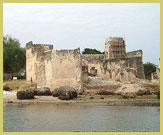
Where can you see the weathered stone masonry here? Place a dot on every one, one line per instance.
(119, 69)
(55, 68)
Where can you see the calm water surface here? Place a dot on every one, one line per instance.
(80, 117)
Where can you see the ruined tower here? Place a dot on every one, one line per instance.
(53, 68)
(115, 48)
(34, 56)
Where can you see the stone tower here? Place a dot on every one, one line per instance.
(53, 68)
(115, 48)
(34, 56)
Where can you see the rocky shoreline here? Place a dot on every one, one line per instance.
(138, 92)
(112, 100)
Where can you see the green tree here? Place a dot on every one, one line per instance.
(13, 55)
(91, 51)
(148, 69)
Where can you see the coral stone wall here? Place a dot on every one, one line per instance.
(53, 68)
(155, 77)
(66, 69)
(120, 69)
(34, 59)
(137, 53)
(30, 62)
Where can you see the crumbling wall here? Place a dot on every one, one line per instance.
(66, 69)
(92, 56)
(48, 68)
(40, 74)
(93, 63)
(53, 68)
(125, 69)
(137, 53)
(120, 69)
(155, 77)
(35, 60)
(30, 60)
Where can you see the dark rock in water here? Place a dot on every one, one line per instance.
(102, 97)
(65, 93)
(105, 92)
(6, 88)
(27, 94)
(128, 95)
(43, 92)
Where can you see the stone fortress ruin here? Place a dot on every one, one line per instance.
(54, 68)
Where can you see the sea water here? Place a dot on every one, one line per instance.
(86, 117)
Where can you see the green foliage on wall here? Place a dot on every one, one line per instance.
(148, 69)
(91, 51)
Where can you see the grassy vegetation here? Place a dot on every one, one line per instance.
(19, 84)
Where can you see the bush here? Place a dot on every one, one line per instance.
(148, 69)
(158, 94)
(91, 51)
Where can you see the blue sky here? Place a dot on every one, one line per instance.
(69, 26)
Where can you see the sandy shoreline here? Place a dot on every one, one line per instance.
(109, 100)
